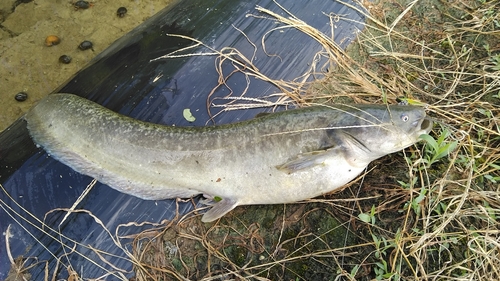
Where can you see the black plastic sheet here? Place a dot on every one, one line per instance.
(125, 79)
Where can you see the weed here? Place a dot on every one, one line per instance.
(368, 218)
(437, 149)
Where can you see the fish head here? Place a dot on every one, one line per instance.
(372, 131)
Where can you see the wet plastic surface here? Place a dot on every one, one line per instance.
(124, 79)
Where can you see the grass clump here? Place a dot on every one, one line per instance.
(443, 58)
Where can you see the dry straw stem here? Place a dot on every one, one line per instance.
(350, 71)
(240, 64)
(69, 245)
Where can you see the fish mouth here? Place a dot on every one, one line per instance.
(425, 126)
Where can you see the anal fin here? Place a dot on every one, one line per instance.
(219, 209)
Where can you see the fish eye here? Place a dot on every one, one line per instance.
(405, 117)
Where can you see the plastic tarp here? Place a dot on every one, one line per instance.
(127, 79)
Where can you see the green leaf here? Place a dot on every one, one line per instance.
(354, 270)
(188, 115)
(430, 141)
(495, 166)
(419, 198)
(365, 217)
(444, 134)
(492, 178)
(445, 150)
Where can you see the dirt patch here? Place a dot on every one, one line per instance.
(272, 241)
(28, 65)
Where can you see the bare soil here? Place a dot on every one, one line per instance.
(28, 65)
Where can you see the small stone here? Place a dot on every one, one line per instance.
(21, 96)
(121, 12)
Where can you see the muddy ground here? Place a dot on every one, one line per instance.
(28, 65)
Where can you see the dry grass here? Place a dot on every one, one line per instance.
(435, 218)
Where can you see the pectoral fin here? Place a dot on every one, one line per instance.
(306, 160)
(219, 209)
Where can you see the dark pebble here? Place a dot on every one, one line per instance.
(21, 96)
(81, 5)
(85, 45)
(65, 59)
(121, 12)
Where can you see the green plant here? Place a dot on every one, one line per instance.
(437, 149)
(496, 62)
(368, 218)
(415, 204)
(383, 270)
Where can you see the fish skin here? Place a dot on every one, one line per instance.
(282, 157)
